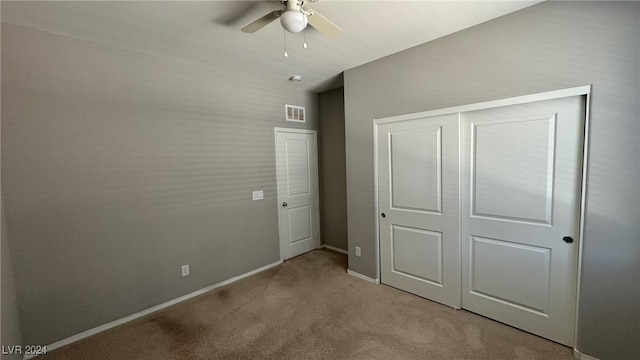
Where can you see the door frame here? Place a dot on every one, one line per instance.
(584, 90)
(314, 174)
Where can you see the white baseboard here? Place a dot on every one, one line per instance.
(335, 249)
(363, 277)
(126, 319)
(580, 356)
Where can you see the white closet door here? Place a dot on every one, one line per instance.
(418, 203)
(521, 176)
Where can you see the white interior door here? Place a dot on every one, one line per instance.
(297, 173)
(520, 198)
(418, 203)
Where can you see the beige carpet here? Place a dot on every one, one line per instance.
(309, 308)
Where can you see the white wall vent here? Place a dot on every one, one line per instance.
(294, 113)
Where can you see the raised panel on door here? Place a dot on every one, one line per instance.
(297, 191)
(300, 223)
(417, 253)
(525, 147)
(416, 174)
(520, 198)
(298, 167)
(418, 193)
(523, 272)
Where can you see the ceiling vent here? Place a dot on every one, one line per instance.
(294, 113)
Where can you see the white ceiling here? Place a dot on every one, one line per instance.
(209, 31)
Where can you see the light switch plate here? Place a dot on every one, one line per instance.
(258, 195)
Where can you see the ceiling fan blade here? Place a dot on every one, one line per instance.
(262, 22)
(323, 24)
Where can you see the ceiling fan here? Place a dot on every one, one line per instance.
(295, 19)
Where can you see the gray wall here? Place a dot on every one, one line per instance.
(549, 46)
(119, 167)
(332, 164)
(9, 317)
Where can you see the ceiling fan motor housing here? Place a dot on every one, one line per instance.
(293, 19)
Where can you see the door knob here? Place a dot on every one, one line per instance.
(383, 215)
(284, 204)
(568, 239)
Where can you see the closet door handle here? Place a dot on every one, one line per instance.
(568, 239)
(284, 204)
(383, 215)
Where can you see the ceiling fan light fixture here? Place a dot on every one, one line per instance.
(293, 21)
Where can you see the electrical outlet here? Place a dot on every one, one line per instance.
(358, 251)
(185, 270)
(258, 195)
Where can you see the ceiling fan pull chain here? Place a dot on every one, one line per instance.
(285, 43)
(304, 36)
